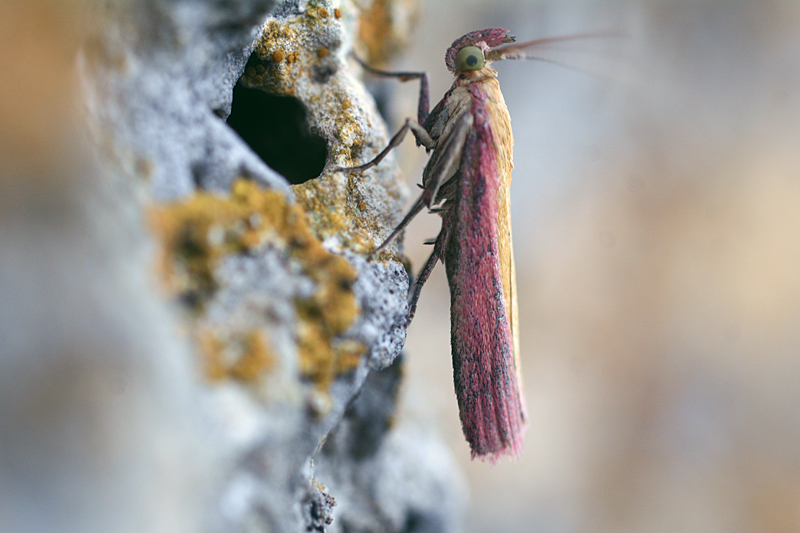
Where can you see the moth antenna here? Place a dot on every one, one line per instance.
(559, 63)
(520, 50)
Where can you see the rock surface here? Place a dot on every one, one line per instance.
(185, 333)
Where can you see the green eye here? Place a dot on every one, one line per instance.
(469, 58)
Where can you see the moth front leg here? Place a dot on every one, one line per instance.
(423, 105)
(419, 132)
(423, 110)
(442, 167)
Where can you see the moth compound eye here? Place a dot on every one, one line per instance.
(469, 58)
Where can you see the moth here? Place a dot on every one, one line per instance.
(466, 181)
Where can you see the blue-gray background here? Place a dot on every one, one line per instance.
(657, 237)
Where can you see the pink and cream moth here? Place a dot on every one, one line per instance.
(468, 178)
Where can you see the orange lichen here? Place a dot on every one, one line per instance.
(256, 358)
(276, 48)
(244, 357)
(320, 360)
(326, 203)
(337, 13)
(332, 202)
(198, 232)
(348, 355)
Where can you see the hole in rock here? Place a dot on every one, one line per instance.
(276, 129)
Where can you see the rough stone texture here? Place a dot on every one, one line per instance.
(181, 329)
(400, 481)
(157, 75)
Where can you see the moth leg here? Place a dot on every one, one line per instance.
(419, 132)
(424, 274)
(415, 209)
(442, 167)
(423, 107)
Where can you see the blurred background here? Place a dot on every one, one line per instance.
(657, 239)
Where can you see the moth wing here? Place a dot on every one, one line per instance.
(480, 272)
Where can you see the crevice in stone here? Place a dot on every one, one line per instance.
(275, 127)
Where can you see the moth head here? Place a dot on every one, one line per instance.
(472, 47)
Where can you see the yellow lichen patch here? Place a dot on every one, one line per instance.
(317, 12)
(256, 358)
(315, 351)
(196, 233)
(348, 354)
(329, 312)
(289, 48)
(332, 308)
(274, 34)
(350, 135)
(326, 203)
(345, 116)
(333, 303)
(275, 53)
(320, 359)
(199, 231)
(244, 357)
(212, 351)
(332, 273)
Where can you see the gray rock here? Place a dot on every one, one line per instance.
(177, 344)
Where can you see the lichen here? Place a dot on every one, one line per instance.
(197, 233)
(312, 68)
(243, 356)
(303, 56)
